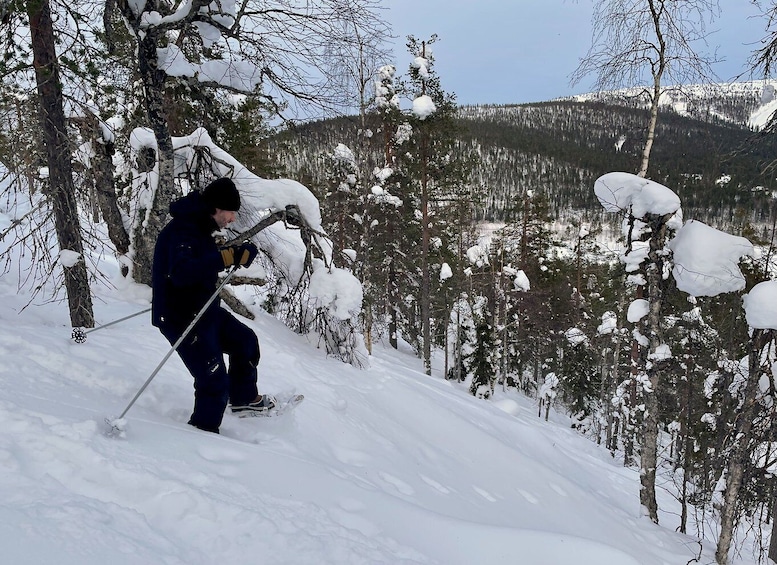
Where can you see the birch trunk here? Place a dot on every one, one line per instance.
(656, 293)
(735, 468)
(156, 217)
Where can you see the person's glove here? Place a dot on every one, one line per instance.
(241, 255)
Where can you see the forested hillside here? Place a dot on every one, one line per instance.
(718, 166)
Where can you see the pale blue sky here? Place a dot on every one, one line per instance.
(514, 51)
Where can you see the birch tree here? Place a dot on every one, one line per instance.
(706, 269)
(649, 46)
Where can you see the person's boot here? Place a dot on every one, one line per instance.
(262, 403)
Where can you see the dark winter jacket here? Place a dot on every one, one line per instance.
(187, 262)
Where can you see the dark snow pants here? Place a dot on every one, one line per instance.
(203, 354)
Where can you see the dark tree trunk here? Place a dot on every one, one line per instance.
(106, 196)
(773, 541)
(61, 190)
(426, 298)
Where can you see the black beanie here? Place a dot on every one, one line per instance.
(222, 194)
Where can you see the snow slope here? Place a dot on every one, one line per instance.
(383, 465)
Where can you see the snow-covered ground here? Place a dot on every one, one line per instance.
(384, 465)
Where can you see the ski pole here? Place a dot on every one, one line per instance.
(116, 424)
(79, 334)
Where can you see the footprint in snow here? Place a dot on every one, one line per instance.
(399, 484)
(217, 454)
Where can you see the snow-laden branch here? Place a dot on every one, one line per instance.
(705, 260)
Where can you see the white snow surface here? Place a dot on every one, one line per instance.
(377, 466)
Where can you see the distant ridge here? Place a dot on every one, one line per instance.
(698, 101)
(706, 149)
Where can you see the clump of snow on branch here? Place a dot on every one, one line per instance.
(422, 64)
(609, 323)
(233, 72)
(143, 183)
(173, 62)
(634, 258)
(640, 338)
(385, 96)
(521, 281)
(445, 272)
(380, 195)
(638, 309)
(477, 256)
(625, 192)
(68, 258)
(208, 33)
(575, 336)
(236, 74)
(255, 192)
(383, 174)
(344, 168)
(761, 306)
(423, 107)
(337, 291)
(661, 353)
(286, 251)
(706, 260)
(403, 133)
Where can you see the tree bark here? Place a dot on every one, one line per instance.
(156, 217)
(656, 292)
(735, 470)
(773, 541)
(61, 190)
(104, 185)
(425, 275)
(153, 219)
(657, 69)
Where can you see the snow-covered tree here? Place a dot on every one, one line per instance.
(433, 178)
(281, 52)
(483, 361)
(652, 213)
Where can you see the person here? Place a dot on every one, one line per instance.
(184, 275)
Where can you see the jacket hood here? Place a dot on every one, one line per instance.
(192, 208)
